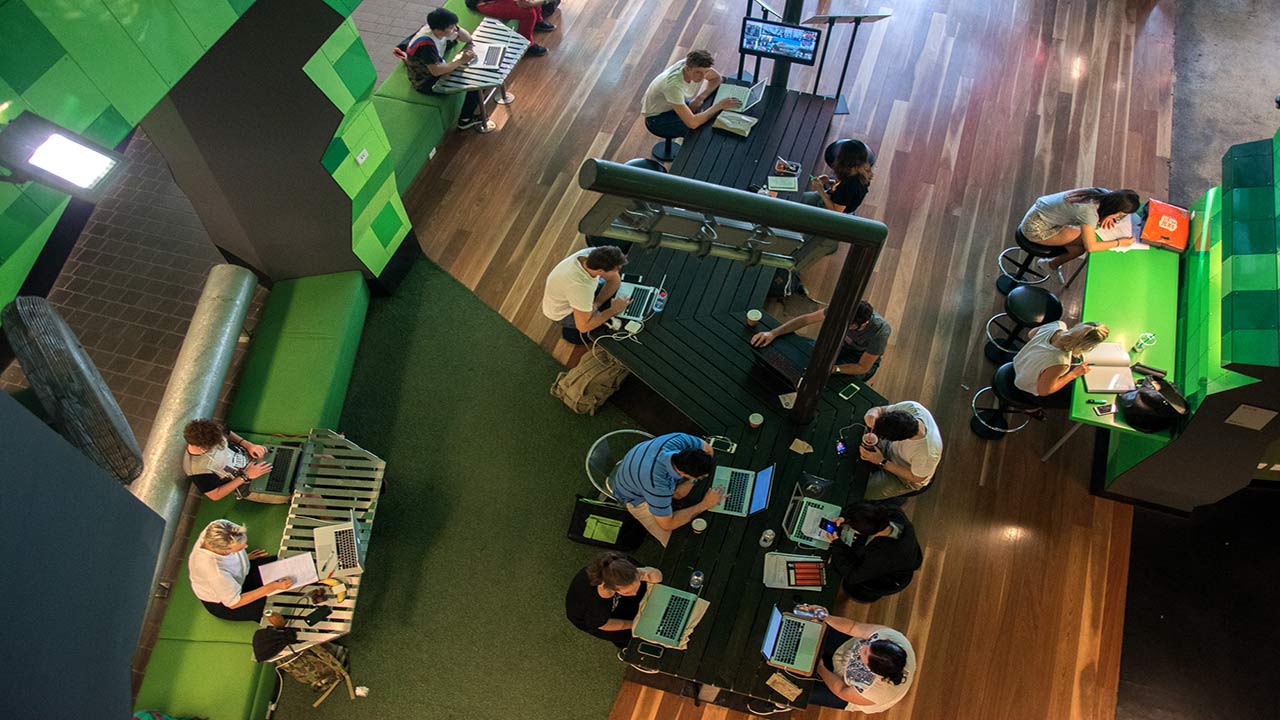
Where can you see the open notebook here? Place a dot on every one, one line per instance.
(1109, 369)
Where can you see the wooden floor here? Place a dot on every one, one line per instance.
(975, 108)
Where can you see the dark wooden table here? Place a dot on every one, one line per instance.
(696, 354)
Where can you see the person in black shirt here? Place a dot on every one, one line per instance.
(423, 54)
(852, 162)
(604, 597)
(874, 550)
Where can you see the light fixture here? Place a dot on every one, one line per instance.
(33, 148)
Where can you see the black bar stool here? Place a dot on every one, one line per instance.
(1026, 307)
(995, 406)
(666, 150)
(1022, 271)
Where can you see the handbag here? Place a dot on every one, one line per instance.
(1154, 405)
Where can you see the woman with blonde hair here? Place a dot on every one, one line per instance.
(1043, 366)
(225, 578)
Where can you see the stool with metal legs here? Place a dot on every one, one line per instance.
(1024, 307)
(1020, 272)
(997, 406)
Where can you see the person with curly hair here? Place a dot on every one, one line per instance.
(220, 462)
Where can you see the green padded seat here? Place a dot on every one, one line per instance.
(215, 680)
(185, 617)
(296, 373)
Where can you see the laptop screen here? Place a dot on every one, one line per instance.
(771, 635)
(760, 493)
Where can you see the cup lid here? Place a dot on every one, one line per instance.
(755, 314)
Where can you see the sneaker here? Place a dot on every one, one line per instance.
(536, 50)
(468, 123)
(755, 708)
(543, 26)
(645, 670)
(1042, 264)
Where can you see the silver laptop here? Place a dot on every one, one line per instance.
(340, 548)
(643, 299)
(488, 56)
(804, 517)
(284, 461)
(745, 492)
(747, 96)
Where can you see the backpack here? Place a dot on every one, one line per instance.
(323, 667)
(587, 386)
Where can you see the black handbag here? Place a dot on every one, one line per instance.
(1154, 405)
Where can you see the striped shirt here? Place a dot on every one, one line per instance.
(645, 474)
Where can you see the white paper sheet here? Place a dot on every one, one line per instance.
(302, 568)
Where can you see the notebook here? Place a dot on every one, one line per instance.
(1109, 369)
(794, 572)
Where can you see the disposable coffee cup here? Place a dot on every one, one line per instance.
(755, 419)
(753, 317)
(699, 525)
(870, 440)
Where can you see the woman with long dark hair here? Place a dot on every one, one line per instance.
(864, 668)
(1070, 219)
(852, 162)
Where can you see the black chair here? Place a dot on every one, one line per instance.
(666, 150)
(1022, 272)
(996, 406)
(1026, 307)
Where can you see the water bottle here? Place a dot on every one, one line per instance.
(696, 579)
(766, 538)
(813, 612)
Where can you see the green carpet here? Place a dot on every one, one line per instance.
(462, 608)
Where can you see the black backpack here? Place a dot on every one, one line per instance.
(1154, 405)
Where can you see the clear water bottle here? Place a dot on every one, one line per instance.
(696, 579)
(766, 538)
(813, 612)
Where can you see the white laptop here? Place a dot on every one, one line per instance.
(488, 56)
(643, 298)
(340, 548)
(747, 96)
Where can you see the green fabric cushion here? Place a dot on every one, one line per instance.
(413, 132)
(185, 617)
(296, 373)
(215, 680)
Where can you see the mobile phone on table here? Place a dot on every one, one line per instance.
(1103, 410)
(650, 649)
(827, 525)
(841, 448)
(318, 614)
(849, 391)
(719, 443)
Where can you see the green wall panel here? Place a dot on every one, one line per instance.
(161, 32)
(67, 95)
(109, 128)
(320, 70)
(207, 19)
(11, 105)
(28, 49)
(356, 70)
(14, 269)
(240, 6)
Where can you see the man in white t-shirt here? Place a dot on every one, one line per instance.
(909, 449)
(579, 293)
(669, 102)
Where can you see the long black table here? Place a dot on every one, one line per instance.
(696, 355)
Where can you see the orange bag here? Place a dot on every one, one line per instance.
(1167, 226)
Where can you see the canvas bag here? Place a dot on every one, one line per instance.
(587, 386)
(323, 667)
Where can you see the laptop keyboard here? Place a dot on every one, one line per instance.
(789, 636)
(279, 479)
(345, 540)
(672, 621)
(735, 497)
(777, 361)
(493, 54)
(640, 297)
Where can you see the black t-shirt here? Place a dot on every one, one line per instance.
(871, 558)
(588, 611)
(850, 193)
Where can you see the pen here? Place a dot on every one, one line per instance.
(1096, 402)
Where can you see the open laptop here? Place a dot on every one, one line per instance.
(645, 300)
(801, 523)
(792, 643)
(780, 366)
(284, 461)
(665, 615)
(340, 548)
(745, 492)
(747, 97)
(488, 56)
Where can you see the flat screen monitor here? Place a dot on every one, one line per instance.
(780, 41)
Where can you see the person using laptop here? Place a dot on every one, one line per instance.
(424, 55)
(670, 100)
(1070, 220)
(225, 578)
(877, 554)
(908, 450)
(605, 596)
(864, 343)
(657, 472)
(220, 462)
(579, 294)
(530, 16)
(1043, 366)
(864, 667)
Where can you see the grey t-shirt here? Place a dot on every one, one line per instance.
(1057, 211)
(873, 338)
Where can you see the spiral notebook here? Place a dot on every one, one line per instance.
(1109, 369)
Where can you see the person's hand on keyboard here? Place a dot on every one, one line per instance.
(257, 469)
(712, 498)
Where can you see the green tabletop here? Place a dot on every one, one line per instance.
(1131, 292)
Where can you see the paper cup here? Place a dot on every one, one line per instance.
(699, 525)
(870, 440)
(753, 317)
(755, 419)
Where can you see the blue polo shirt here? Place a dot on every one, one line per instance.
(645, 474)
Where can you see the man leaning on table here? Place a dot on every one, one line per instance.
(669, 103)
(657, 472)
(423, 54)
(908, 452)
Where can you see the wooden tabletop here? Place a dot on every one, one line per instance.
(696, 354)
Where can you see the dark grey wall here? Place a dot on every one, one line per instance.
(244, 132)
(79, 552)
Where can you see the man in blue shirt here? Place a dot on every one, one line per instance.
(658, 471)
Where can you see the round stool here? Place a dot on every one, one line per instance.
(995, 405)
(666, 150)
(646, 164)
(1026, 307)
(1022, 273)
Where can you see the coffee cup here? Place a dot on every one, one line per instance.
(755, 420)
(869, 441)
(698, 525)
(753, 317)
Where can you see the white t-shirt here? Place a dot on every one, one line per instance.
(847, 663)
(667, 90)
(216, 578)
(569, 287)
(223, 461)
(921, 455)
(1037, 356)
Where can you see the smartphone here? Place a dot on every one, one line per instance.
(650, 649)
(720, 443)
(849, 391)
(827, 525)
(841, 448)
(1108, 409)
(631, 278)
(320, 613)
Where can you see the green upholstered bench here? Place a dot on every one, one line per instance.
(415, 122)
(296, 373)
